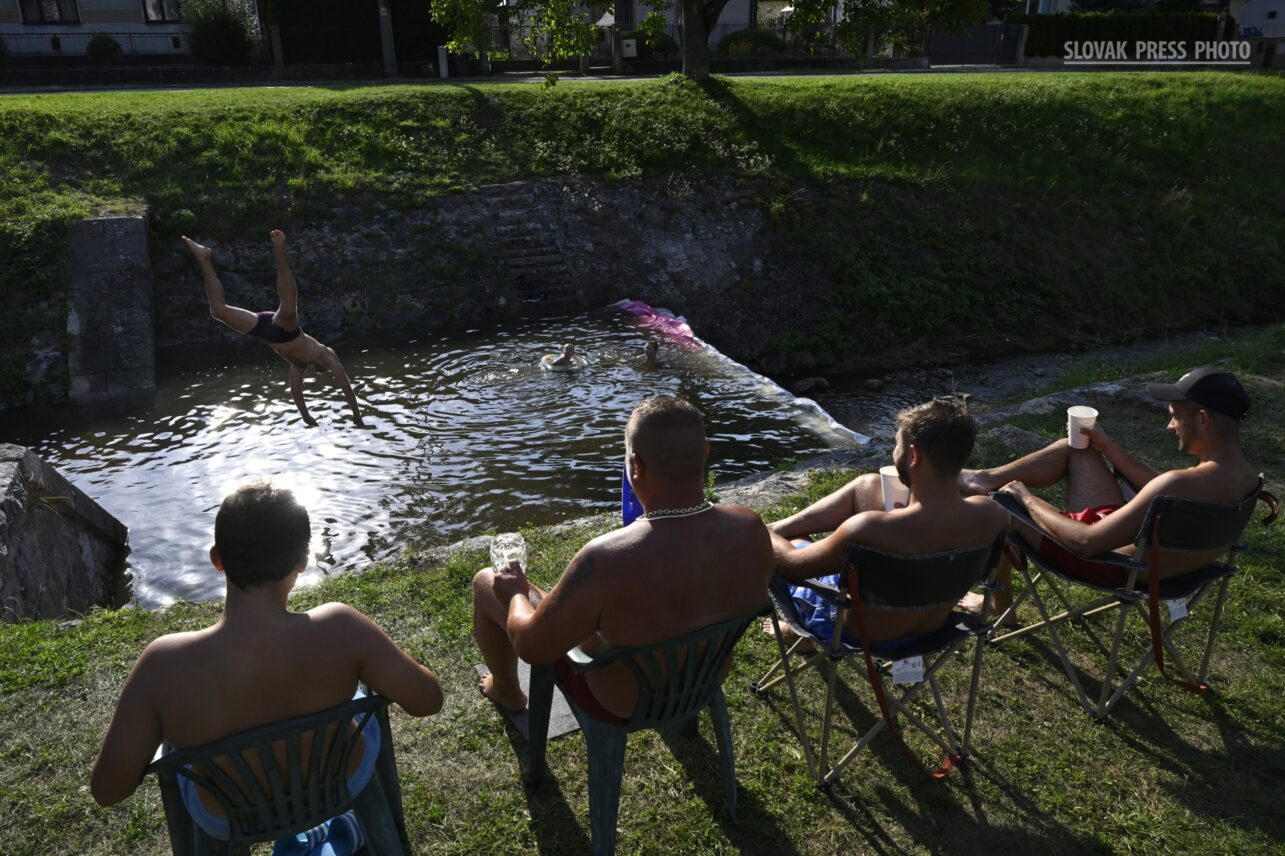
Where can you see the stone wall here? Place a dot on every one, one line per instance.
(60, 552)
(111, 353)
(697, 247)
(701, 247)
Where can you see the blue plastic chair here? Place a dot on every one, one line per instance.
(287, 799)
(676, 681)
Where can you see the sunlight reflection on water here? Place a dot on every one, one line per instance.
(465, 435)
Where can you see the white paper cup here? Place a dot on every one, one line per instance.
(1076, 418)
(893, 490)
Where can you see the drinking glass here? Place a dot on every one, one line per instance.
(507, 549)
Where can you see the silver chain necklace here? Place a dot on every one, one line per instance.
(660, 513)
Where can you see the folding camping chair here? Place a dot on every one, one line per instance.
(1172, 525)
(882, 581)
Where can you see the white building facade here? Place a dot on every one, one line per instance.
(64, 27)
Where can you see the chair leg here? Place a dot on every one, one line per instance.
(1103, 709)
(723, 731)
(539, 709)
(759, 686)
(605, 745)
(1057, 644)
(386, 772)
(972, 695)
(375, 815)
(1213, 630)
(832, 669)
(947, 731)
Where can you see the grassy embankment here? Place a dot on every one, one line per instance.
(969, 211)
(1170, 773)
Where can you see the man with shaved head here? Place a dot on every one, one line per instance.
(683, 565)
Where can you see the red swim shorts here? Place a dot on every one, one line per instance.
(1090, 570)
(576, 688)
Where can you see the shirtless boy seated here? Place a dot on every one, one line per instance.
(684, 565)
(259, 663)
(1205, 409)
(280, 329)
(934, 441)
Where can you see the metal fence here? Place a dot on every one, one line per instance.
(309, 45)
(812, 40)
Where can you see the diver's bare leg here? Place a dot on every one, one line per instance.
(240, 320)
(287, 314)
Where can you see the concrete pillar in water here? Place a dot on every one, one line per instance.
(60, 552)
(111, 353)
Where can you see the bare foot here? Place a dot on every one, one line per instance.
(513, 700)
(278, 239)
(974, 483)
(201, 253)
(973, 602)
(789, 636)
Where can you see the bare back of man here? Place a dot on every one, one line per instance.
(933, 441)
(687, 566)
(279, 329)
(648, 582)
(661, 579)
(259, 663)
(318, 657)
(938, 525)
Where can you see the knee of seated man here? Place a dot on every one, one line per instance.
(483, 581)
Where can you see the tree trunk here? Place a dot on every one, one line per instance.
(695, 40)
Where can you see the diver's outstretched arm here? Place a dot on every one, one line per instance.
(296, 391)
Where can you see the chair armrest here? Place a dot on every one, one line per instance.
(827, 592)
(579, 658)
(1017, 509)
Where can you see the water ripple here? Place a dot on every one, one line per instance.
(464, 435)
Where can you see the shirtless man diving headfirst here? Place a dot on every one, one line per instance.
(280, 329)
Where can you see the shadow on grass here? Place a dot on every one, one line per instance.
(755, 830)
(947, 816)
(552, 822)
(1236, 783)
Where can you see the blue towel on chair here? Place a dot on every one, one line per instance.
(339, 836)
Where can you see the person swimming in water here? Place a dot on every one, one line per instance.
(566, 359)
(280, 329)
(650, 360)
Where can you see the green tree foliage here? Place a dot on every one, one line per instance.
(468, 22)
(220, 29)
(558, 29)
(906, 24)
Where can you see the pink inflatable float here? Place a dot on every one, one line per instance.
(663, 322)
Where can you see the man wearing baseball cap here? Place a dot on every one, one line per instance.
(1205, 409)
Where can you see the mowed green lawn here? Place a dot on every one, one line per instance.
(1169, 773)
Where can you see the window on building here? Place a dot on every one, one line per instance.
(160, 11)
(1271, 16)
(49, 12)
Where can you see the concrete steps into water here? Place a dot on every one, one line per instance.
(529, 252)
